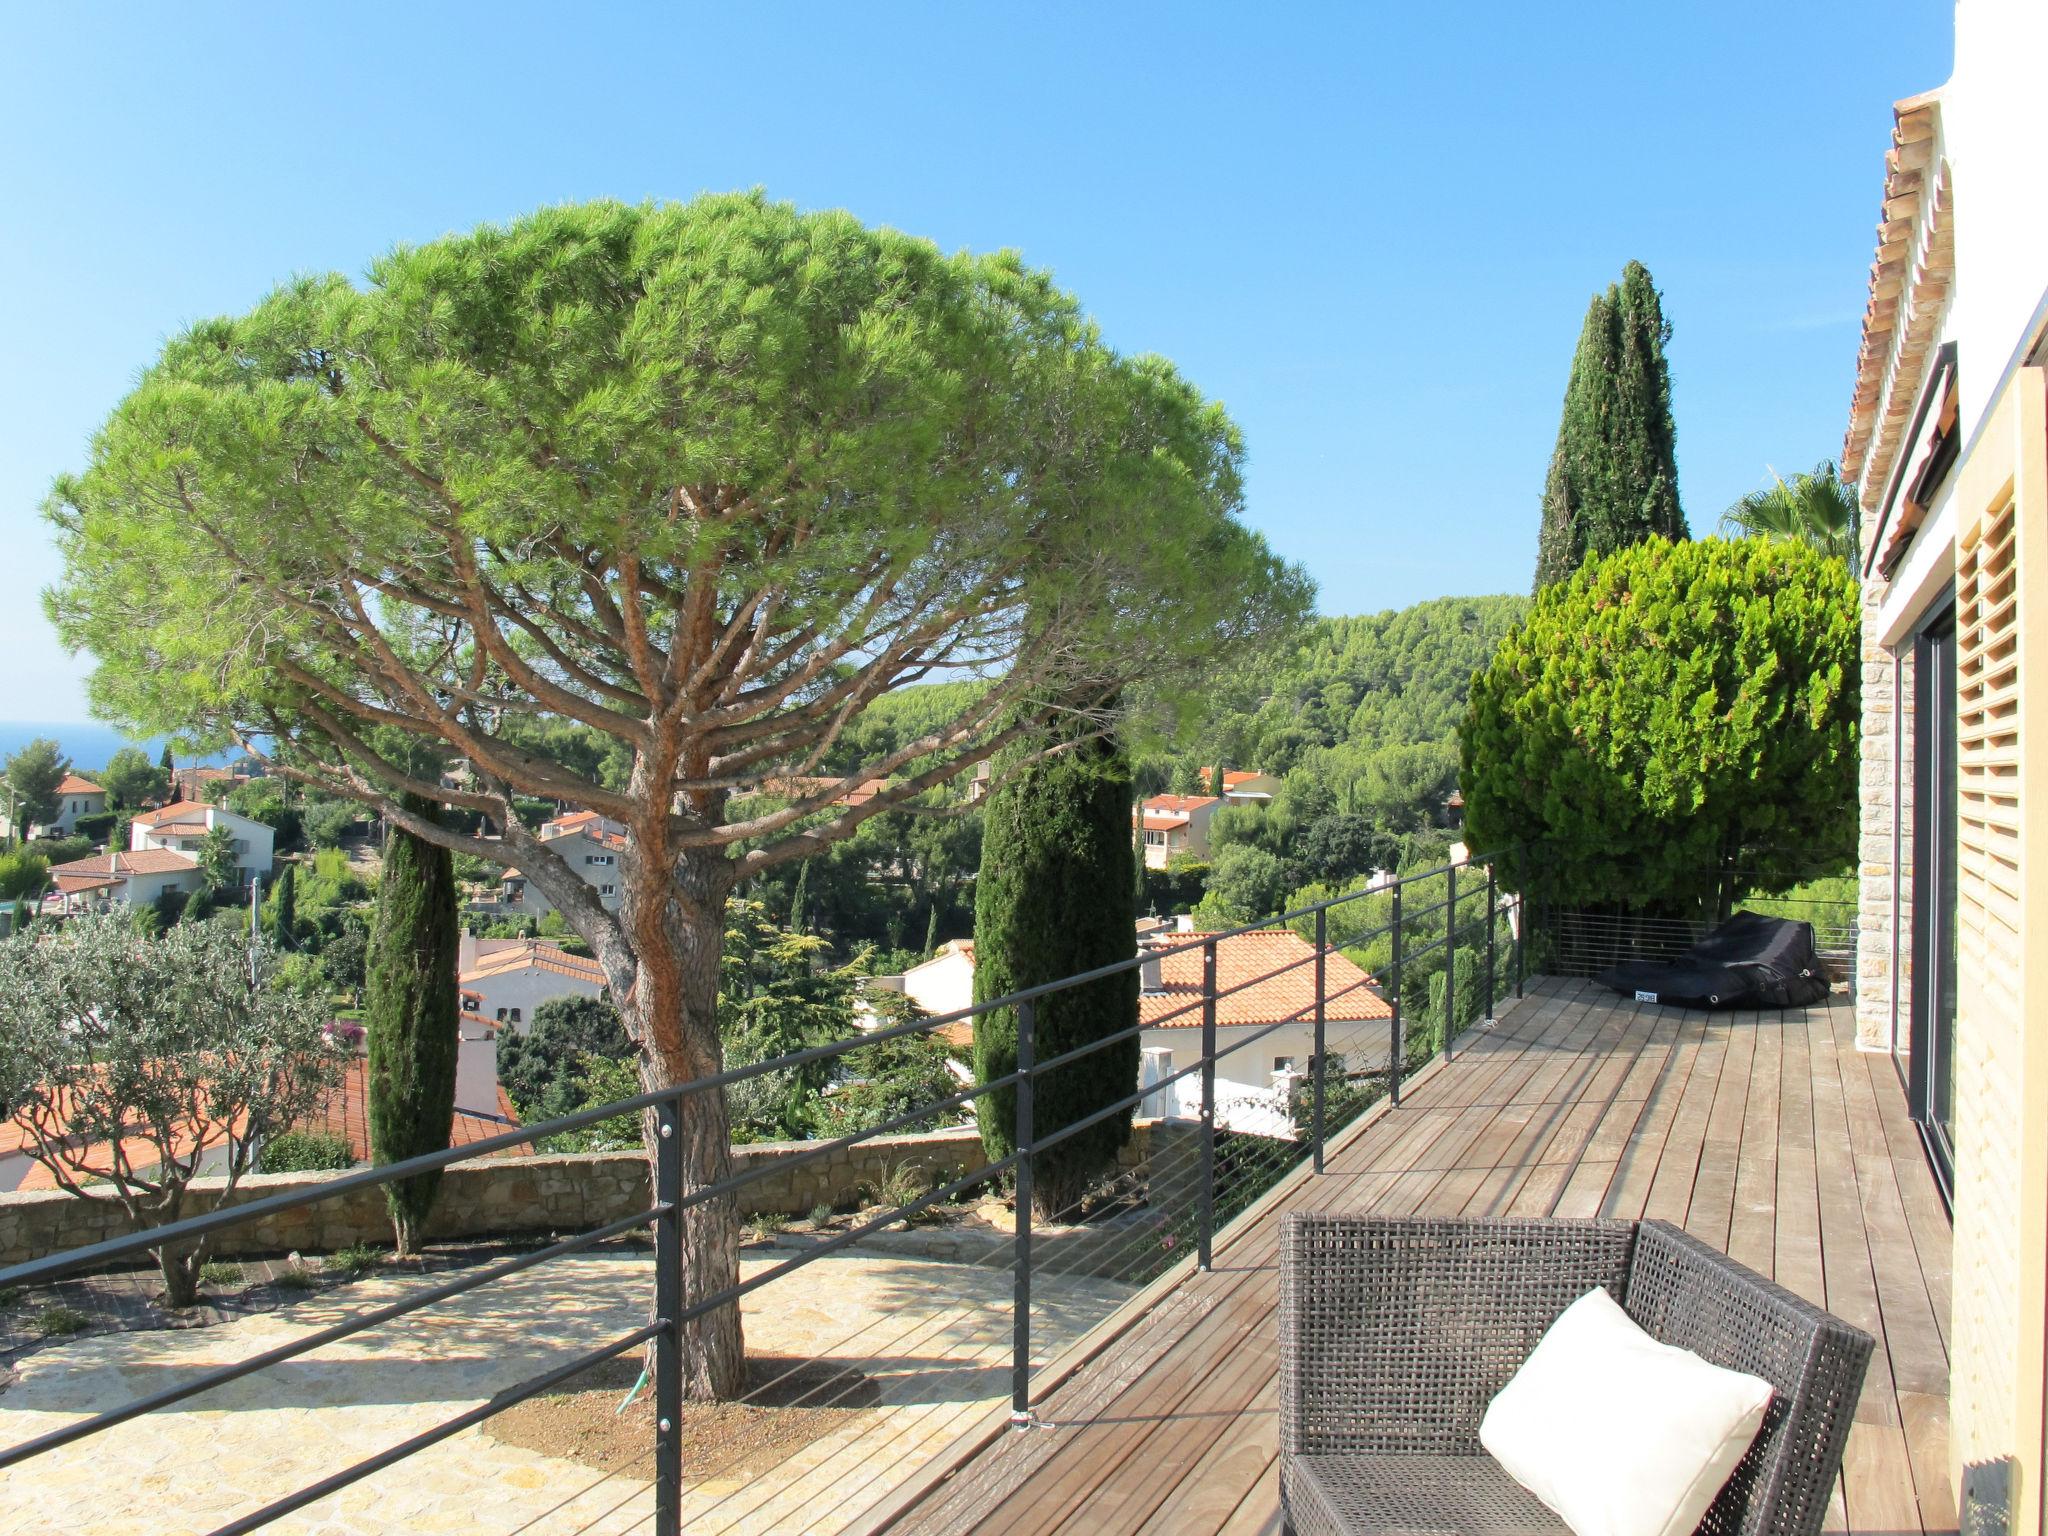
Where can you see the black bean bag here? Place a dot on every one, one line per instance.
(1750, 961)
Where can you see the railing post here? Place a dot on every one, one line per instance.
(1206, 1214)
(668, 1302)
(1521, 937)
(1492, 922)
(1396, 1046)
(1020, 1321)
(1450, 955)
(1316, 1058)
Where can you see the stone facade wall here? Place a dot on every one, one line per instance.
(505, 1196)
(513, 1196)
(1884, 835)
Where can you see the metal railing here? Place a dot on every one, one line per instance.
(1584, 942)
(1453, 941)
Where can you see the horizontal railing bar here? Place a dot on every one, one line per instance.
(107, 1250)
(220, 1376)
(509, 1398)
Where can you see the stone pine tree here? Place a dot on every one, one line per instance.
(1613, 476)
(701, 482)
(410, 1016)
(1053, 899)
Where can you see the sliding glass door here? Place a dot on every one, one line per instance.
(1931, 1075)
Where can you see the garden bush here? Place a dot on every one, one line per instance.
(305, 1152)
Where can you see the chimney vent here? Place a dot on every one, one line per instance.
(1151, 978)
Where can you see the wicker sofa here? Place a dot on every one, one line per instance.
(1396, 1333)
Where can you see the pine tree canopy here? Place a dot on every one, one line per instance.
(1613, 476)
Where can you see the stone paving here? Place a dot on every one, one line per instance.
(935, 1337)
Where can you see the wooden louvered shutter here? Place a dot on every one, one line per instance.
(1991, 939)
(1999, 1347)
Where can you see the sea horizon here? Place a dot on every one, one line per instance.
(89, 743)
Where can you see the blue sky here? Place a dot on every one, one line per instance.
(1370, 230)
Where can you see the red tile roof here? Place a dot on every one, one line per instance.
(116, 865)
(1180, 804)
(346, 1112)
(531, 952)
(1291, 994)
(177, 810)
(72, 784)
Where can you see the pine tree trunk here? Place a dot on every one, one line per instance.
(412, 1020)
(674, 915)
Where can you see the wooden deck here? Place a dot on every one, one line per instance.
(1766, 1135)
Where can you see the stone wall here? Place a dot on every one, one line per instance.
(1884, 853)
(514, 1196)
(506, 1196)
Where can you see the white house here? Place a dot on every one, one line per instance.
(181, 827)
(1253, 1072)
(134, 879)
(1173, 825)
(76, 797)
(591, 845)
(504, 980)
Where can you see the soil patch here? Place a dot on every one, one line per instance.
(790, 1402)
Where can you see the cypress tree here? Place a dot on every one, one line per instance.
(931, 928)
(167, 763)
(796, 897)
(1053, 899)
(1613, 477)
(410, 1014)
(284, 914)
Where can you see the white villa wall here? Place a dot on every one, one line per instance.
(597, 864)
(525, 989)
(255, 843)
(71, 807)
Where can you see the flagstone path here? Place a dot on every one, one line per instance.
(934, 1336)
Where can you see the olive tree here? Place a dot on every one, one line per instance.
(133, 1064)
(1672, 724)
(703, 480)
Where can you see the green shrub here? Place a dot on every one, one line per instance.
(305, 1152)
(1673, 722)
(22, 873)
(220, 1273)
(97, 827)
(297, 1275)
(354, 1261)
(57, 1322)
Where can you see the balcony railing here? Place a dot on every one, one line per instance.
(1441, 947)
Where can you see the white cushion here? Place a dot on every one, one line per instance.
(1621, 1435)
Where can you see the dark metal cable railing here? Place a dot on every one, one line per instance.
(1415, 1032)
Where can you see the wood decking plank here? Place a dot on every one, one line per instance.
(1752, 1227)
(1782, 1141)
(1708, 1212)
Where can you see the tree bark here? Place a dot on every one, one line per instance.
(676, 927)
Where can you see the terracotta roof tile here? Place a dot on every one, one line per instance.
(1290, 994)
(119, 863)
(177, 810)
(72, 784)
(548, 957)
(1180, 804)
